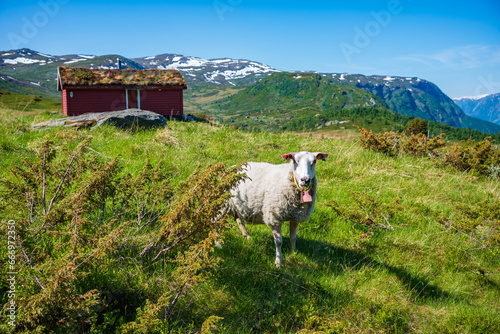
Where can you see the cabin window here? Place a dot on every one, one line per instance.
(70, 94)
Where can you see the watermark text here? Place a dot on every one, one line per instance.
(487, 86)
(30, 26)
(363, 36)
(223, 6)
(11, 272)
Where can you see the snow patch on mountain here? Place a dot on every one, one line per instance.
(22, 60)
(470, 97)
(73, 61)
(216, 70)
(219, 70)
(190, 62)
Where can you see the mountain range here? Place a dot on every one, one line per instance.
(486, 107)
(31, 72)
(35, 71)
(292, 101)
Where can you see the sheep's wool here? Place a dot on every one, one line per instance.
(273, 194)
(269, 196)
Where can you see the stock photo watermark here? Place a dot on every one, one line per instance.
(364, 36)
(223, 6)
(487, 86)
(30, 26)
(11, 273)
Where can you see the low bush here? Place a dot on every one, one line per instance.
(394, 143)
(475, 157)
(479, 158)
(416, 126)
(91, 240)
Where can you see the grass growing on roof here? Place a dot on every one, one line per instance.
(79, 76)
(422, 273)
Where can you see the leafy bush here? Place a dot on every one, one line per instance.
(393, 143)
(80, 229)
(416, 126)
(475, 157)
(379, 143)
(479, 158)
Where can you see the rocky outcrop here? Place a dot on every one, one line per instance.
(123, 119)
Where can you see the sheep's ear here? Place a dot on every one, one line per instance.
(288, 156)
(321, 156)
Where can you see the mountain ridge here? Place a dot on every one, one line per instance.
(413, 96)
(35, 72)
(485, 107)
(216, 70)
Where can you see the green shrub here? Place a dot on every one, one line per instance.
(416, 127)
(80, 222)
(393, 143)
(474, 157)
(479, 158)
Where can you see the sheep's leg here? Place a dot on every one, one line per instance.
(278, 241)
(293, 234)
(243, 228)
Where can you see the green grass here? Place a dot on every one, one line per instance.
(420, 277)
(19, 103)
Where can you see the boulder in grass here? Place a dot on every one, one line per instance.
(123, 119)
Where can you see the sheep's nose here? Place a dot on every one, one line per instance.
(306, 180)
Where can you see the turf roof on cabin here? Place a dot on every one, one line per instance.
(85, 77)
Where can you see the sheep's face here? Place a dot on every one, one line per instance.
(304, 164)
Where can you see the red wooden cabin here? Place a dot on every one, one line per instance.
(97, 90)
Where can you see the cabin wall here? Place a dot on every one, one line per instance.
(90, 100)
(163, 102)
(65, 102)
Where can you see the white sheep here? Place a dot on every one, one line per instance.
(273, 194)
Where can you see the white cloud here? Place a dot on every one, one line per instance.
(461, 57)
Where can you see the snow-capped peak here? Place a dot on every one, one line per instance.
(218, 70)
(210, 70)
(478, 97)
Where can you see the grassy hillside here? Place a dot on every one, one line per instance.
(198, 97)
(431, 266)
(26, 87)
(308, 102)
(22, 104)
(290, 101)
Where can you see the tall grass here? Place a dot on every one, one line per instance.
(424, 274)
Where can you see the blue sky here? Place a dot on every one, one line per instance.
(455, 44)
